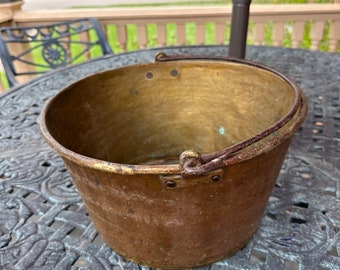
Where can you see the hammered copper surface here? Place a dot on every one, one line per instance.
(121, 132)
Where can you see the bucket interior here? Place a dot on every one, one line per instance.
(151, 113)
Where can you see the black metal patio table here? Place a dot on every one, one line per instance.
(44, 224)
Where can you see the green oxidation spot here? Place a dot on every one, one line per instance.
(221, 131)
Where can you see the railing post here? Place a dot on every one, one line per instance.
(7, 10)
(239, 28)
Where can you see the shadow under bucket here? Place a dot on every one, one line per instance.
(175, 160)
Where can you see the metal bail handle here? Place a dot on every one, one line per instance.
(195, 164)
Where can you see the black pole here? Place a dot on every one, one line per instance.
(239, 28)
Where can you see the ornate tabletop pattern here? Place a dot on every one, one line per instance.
(43, 222)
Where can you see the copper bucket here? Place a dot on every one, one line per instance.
(175, 160)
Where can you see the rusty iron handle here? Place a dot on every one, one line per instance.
(196, 164)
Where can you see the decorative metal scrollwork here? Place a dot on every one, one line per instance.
(54, 54)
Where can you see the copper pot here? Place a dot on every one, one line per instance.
(175, 160)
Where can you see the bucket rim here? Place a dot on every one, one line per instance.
(177, 169)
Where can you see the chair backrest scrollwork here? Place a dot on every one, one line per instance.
(37, 49)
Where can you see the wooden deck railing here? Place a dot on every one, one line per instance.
(275, 25)
(311, 26)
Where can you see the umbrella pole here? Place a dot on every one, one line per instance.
(239, 28)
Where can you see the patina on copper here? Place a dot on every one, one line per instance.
(151, 149)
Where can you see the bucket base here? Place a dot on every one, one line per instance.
(173, 266)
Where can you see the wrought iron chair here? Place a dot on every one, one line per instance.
(37, 49)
